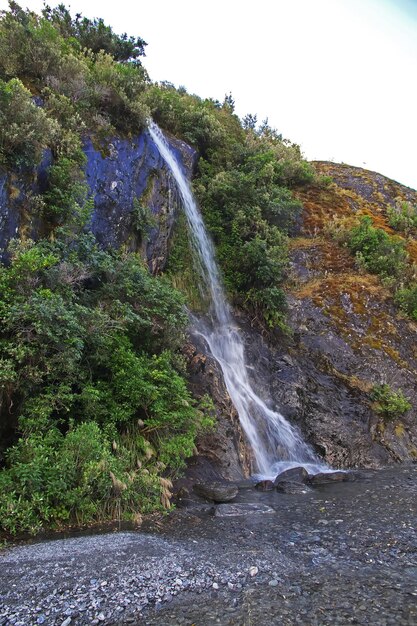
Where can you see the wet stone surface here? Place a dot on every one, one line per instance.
(217, 491)
(343, 553)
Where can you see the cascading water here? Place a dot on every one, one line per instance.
(276, 445)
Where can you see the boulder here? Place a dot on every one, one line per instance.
(328, 477)
(294, 475)
(288, 486)
(216, 491)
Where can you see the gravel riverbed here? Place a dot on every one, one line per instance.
(340, 554)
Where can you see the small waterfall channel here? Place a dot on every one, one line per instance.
(276, 445)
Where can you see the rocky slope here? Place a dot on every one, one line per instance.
(347, 334)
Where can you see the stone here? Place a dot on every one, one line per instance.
(287, 486)
(265, 485)
(249, 508)
(294, 475)
(253, 571)
(217, 491)
(328, 477)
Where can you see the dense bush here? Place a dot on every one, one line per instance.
(380, 253)
(377, 251)
(98, 71)
(242, 184)
(95, 35)
(88, 341)
(25, 129)
(249, 211)
(406, 298)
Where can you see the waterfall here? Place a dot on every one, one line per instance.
(276, 444)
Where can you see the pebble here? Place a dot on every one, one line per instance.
(143, 570)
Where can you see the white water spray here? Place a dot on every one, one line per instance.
(276, 445)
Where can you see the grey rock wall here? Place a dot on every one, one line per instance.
(117, 173)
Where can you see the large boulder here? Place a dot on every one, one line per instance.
(288, 486)
(295, 475)
(329, 477)
(216, 491)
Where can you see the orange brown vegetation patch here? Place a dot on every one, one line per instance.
(353, 192)
(330, 288)
(320, 207)
(324, 256)
(355, 305)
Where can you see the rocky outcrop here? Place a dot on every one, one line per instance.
(118, 173)
(223, 452)
(346, 333)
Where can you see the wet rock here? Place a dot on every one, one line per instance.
(216, 491)
(329, 477)
(223, 451)
(232, 510)
(288, 486)
(265, 485)
(294, 475)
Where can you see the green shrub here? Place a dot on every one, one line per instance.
(402, 216)
(388, 403)
(30, 47)
(95, 35)
(25, 129)
(88, 341)
(406, 298)
(82, 60)
(376, 251)
(248, 212)
(54, 479)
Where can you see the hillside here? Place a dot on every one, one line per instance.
(350, 320)
(106, 392)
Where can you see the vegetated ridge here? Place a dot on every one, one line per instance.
(103, 395)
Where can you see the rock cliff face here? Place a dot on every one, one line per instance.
(117, 173)
(346, 332)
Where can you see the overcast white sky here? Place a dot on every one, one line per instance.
(336, 76)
